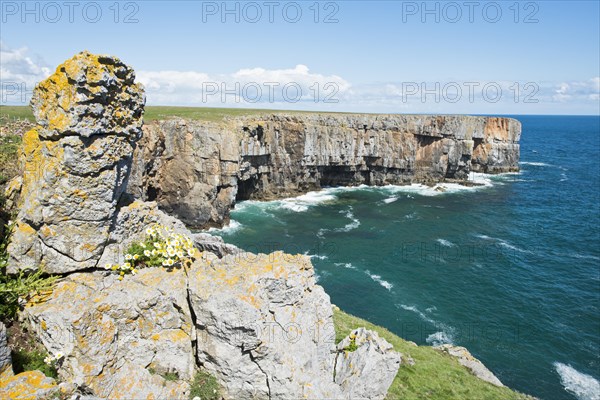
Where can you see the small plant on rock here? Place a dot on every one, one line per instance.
(205, 387)
(161, 247)
(352, 346)
(16, 288)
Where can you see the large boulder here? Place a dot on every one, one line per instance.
(77, 162)
(265, 329)
(119, 339)
(259, 323)
(366, 365)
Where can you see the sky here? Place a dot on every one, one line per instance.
(465, 57)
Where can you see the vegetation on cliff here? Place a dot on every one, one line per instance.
(433, 375)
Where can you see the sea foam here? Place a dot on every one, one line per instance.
(583, 386)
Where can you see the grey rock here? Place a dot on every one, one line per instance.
(369, 370)
(77, 162)
(5, 359)
(215, 245)
(264, 328)
(466, 359)
(197, 170)
(119, 337)
(32, 385)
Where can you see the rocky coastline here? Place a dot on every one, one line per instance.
(198, 170)
(141, 305)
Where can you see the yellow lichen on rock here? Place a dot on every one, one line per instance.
(76, 163)
(28, 385)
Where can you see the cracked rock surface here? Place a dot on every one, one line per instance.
(367, 371)
(259, 323)
(77, 162)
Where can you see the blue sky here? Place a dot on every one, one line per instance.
(538, 57)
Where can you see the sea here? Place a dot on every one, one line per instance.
(509, 269)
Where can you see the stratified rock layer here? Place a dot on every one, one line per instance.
(197, 170)
(76, 163)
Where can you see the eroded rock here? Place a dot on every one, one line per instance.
(366, 365)
(466, 359)
(197, 170)
(265, 329)
(119, 338)
(77, 161)
(31, 385)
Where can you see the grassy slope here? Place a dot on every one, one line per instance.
(434, 376)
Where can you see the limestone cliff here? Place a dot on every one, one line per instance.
(76, 163)
(198, 170)
(259, 323)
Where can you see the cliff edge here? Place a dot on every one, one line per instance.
(197, 170)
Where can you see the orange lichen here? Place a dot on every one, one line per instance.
(25, 385)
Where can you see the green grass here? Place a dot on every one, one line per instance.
(435, 375)
(15, 112)
(205, 386)
(153, 113)
(9, 149)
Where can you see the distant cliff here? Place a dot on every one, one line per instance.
(198, 170)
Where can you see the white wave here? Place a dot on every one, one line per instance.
(585, 256)
(476, 181)
(446, 333)
(535, 164)
(563, 177)
(439, 338)
(390, 199)
(227, 230)
(319, 256)
(419, 313)
(583, 386)
(507, 245)
(412, 215)
(377, 278)
(304, 202)
(352, 225)
(503, 243)
(431, 309)
(445, 242)
(345, 265)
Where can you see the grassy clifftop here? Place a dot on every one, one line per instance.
(435, 375)
(153, 113)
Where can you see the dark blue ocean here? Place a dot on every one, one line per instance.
(510, 269)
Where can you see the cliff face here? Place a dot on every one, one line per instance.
(197, 170)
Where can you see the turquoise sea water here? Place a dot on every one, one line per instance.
(511, 270)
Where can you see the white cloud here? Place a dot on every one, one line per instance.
(577, 90)
(274, 88)
(19, 72)
(299, 87)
